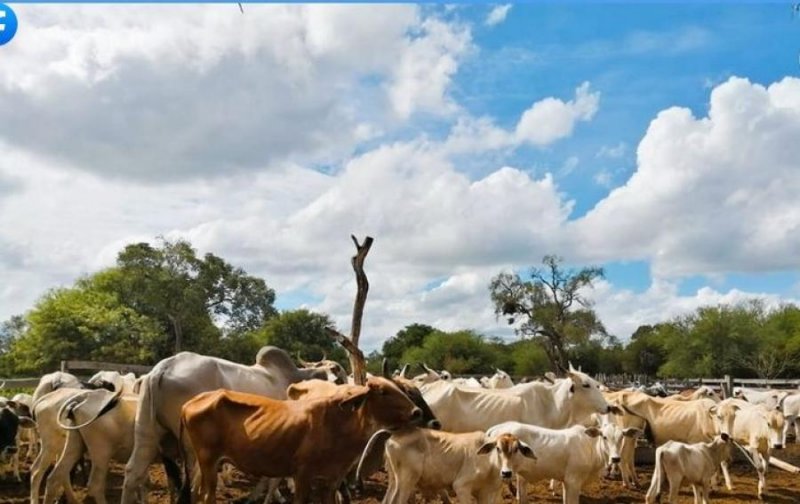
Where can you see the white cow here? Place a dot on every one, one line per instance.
(694, 463)
(769, 398)
(472, 464)
(126, 383)
(565, 403)
(499, 380)
(54, 381)
(791, 412)
(99, 423)
(702, 392)
(574, 456)
(757, 428)
(175, 380)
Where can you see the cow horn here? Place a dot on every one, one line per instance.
(302, 362)
(3, 385)
(324, 356)
(385, 368)
(426, 368)
(404, 371)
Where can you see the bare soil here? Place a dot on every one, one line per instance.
(782, 487)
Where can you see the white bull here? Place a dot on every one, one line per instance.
(565, 403)
(769, 398)
(791, 412)
(574, 456)
(472, 464)
(175, 380)
(99, 423)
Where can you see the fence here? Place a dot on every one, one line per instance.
(75, 366)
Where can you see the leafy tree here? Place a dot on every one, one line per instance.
(410, 336)
(645, 353)
(458, 352)
(302, 334)
(192, 298)
(549, 307)
(82, 324)
(529, 358)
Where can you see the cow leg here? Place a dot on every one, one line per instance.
(695, 494)
(58, 479)
(101, 458)
(302, 489)
(761, 469)
(726, 474)
(675, 481)
(706, 489)
(15, 464)
(145, 451)
(522, 490)
(463, 493)
(572, 491)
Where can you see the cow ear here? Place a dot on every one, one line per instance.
(615, 410)
(487, 447)
(294, 391)
(572, 389)
(632, 432)
(712, 410)
(355, 401)
(526, 451)
(592, 431)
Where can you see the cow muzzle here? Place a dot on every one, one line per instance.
(778, 446)
(435, 425)
(506, 474)
(615, 460)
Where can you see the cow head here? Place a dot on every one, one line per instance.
(326, 369)
(413, 393)
(386, 403)
(510, 453)
(429, 376)
(586, 394)
(724, 415)
(776, 422)
(613, 438)
(10, 423)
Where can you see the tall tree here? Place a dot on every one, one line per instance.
(410, 336)
(303, 334)
(549, 307)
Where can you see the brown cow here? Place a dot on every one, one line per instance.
(313, 439)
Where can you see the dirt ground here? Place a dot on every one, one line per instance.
(783, 487)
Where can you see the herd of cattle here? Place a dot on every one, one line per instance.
(312, 428)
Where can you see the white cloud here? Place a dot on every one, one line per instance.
(604, 178)
(545, 122)
(497, 15)
(552, 119)
(712, 194)
(426, 68)
(157, 97)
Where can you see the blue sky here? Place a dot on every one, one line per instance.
(656, 140)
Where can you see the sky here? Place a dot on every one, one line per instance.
(657, 141)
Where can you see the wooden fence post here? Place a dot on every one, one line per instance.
(63, 366)
(727, 387)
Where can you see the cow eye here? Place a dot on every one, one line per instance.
(586, 385)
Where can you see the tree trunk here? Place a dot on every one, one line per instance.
(176, 330)
(357, 363)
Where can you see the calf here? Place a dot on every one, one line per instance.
(694, 463)
(499, 380)
(791, 412)
(308, 439)
(472, 464)
(574, 456)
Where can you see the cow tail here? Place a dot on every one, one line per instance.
(185, 495)
(658, 476)
(384, 434)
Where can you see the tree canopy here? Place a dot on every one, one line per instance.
(549, 307)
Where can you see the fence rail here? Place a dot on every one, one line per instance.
(104, 366)
(14, 383)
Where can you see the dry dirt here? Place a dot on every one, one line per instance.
(783, 487)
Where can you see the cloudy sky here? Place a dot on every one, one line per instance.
(660, 143)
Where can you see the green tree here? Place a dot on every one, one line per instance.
(458, 352)
(411, 336)
(549, 307)
(82, 324)
(302, 334)
(645, 353)
(195, 300)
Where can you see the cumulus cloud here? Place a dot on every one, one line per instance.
(497, 15)
(155, 97)
(710, 194)
(545, 122)
(552, 119)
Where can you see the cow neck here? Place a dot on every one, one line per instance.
(566, 414)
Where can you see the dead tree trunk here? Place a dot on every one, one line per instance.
(357, 364)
